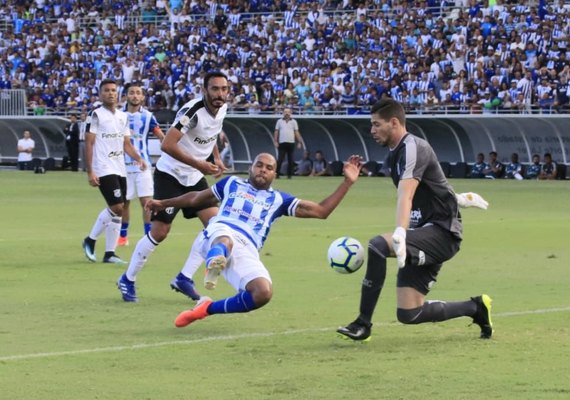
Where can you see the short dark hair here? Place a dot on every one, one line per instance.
(548, 155)
(389, 108)
(107, 82)
(133, 84)
(493, 153)
(213, 74)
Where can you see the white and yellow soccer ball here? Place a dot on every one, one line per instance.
(345, 255)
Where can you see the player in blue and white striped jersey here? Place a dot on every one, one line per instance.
(231, 242)
(139, 183)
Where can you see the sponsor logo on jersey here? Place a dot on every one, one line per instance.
(200, 140)
(169, 210)
(111, 135)
(115, 154)
(251, 198)
(415, 217)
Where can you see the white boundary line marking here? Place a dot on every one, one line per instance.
(230, 337)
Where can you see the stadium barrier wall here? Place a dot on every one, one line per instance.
(455, 138)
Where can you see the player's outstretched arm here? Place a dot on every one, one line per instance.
(192, 199)
(310, 209)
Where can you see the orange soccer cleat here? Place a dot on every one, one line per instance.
(200, 311)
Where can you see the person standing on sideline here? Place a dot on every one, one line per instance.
(82, 127)
(188, 144)
(26, 146)
(71, 133)
(428, 233)
(285, 135)
(139, 183)
(106, 141)
(231, 242)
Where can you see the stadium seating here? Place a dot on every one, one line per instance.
(171, 67)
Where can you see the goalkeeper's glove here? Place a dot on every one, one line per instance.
(399, 245)
(471, 199)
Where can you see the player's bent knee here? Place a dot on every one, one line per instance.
(408, 316)
(159, 231)
(117, 209)
(378, 245)
(262, 296)
(261, 291)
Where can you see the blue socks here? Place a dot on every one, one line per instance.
(219, 249)
(240, 303)
(124, 229)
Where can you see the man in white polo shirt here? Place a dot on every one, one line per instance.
(106, 141)
(25, 148)
(285, 135)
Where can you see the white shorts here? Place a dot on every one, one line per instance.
(243, 264)
(140, 184)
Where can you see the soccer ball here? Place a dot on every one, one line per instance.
(346, 255)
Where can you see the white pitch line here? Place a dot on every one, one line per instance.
(160, 344)
(230, 337)
(542, 311)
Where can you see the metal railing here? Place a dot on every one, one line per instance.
(345, 110)
(13, 102)
(139, 17)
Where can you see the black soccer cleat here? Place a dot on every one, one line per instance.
(483, 315)
(357, 331)
(89, 249)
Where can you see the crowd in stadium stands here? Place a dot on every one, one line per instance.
(334, 56)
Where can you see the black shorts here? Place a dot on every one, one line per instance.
(113, 188)
(165, 187)
(427, 248)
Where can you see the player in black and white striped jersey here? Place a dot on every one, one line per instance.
(188, 144)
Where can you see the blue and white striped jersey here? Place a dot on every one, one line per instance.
(141, 123)
(251, 211)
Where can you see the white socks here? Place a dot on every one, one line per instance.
(145, 246)
(110, 223)
(112, 233)
(195, 259)
(101, 223)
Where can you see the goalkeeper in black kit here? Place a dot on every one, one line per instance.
(428, 232)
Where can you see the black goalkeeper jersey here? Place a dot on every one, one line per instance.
(434, 200)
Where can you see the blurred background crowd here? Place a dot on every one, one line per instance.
(321, 57)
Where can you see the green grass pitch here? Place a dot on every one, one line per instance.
(65, 333)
